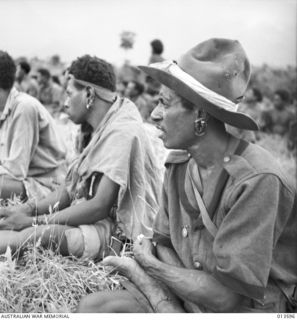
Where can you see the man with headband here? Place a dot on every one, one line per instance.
(225, 236)
(111, 190)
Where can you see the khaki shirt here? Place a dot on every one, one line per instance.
(30, 148)
(256, 221)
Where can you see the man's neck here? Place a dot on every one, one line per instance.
(99, 110)
(211, 148)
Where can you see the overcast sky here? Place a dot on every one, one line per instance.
(266, 28)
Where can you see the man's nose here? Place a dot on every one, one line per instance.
(157, 113)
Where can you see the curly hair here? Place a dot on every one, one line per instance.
(94, 70)
(157, 46)
(7, 71)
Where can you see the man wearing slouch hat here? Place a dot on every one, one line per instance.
(225, 236)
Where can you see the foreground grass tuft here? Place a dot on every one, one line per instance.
(44, 281)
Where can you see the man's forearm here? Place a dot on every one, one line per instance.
(58, 199)
(86, 212)
(196, 286)
(159, 296)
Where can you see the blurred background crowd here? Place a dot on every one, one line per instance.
(271, 98)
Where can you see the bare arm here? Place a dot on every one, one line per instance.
(92, 210)
(59, 198)
(158, 295)
(196, 286)
(87, 212)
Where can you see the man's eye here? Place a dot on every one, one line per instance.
(163, 103)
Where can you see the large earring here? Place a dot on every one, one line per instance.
(200, 124)
(89, 104)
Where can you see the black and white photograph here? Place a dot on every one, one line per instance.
(148, 159)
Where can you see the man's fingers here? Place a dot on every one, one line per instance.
(111, 261)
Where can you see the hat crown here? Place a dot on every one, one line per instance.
(221, 65)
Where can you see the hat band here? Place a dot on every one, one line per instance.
(198, 87)
(103, 93)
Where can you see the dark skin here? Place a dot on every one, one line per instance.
(173, 280)
(165, 270)
(161, 299)
(20, 219)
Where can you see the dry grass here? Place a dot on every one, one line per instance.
(44, 281)
(41, 280)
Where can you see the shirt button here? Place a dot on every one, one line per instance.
(226, 159)
(184, 231)
(198, 265)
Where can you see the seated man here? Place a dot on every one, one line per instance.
(111, 189)
(31, 153)
(225, 234)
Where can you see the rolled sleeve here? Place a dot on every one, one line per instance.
(244, 244)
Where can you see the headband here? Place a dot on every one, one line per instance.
(198, 87)
(103, 93)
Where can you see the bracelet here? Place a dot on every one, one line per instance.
(162, 300)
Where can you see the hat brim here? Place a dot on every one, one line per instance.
(235, 119)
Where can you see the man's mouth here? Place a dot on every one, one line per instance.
(160, 128)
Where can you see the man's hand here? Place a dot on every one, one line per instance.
(126, 266)
(143, 250)
(14, 220)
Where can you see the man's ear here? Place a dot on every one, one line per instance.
(90, 93)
